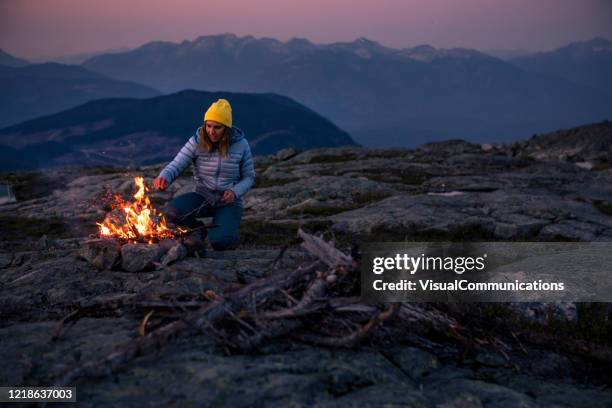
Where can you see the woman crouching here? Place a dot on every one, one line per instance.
(223, 172)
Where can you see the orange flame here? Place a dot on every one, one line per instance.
(140, 219)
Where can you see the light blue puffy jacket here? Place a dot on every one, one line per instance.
(213, 173)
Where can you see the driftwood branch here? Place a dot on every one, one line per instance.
(324, 251)
(313, 294)
(354, 338)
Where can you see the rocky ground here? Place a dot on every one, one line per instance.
(443, 191)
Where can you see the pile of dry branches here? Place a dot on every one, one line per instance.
(317, 303)
(285, 303)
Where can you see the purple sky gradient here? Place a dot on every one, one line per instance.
(34, 28)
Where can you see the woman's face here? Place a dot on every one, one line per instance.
(214, 130)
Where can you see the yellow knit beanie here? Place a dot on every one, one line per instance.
(220, 111)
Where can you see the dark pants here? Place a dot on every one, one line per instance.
(184, 209)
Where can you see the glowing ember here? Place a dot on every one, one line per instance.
(138, 220)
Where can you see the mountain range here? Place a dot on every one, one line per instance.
(12, 61)
(77, 58)
(35, 90)
(382, 96)
(586, 62)
(129, 131)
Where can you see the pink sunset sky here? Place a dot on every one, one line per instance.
(35, 28)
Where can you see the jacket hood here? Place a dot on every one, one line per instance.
(236, 134)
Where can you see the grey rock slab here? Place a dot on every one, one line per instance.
(490, 358)
(552, 365)
(450, 147)
(378, 168)
(518, 226)
(264, 161)
(314, 192)
(383, 396)
(103, 254)
(572, 230)
(489, 394)
(411, 213)
(286, 153)
(481, 160)
(138, 257)
(562, 394)
(592, 142)
(506, 214)
(192, 371)
(31, 358)
(466, 183)
(415, 362)
(338, 153)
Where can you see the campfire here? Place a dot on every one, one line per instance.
(136, 221)
(134, 237)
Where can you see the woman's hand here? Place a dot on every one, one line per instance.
(228, 196)
(160, 183)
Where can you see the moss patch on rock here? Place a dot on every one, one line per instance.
(603, 207)
(360, 199)
(25, 185)
(263, 182)
(18, 228)
(332, 159)
(266, 234)
(407, 234)
(261, 234)
(321, 210)
(369, 197)
(403, 176)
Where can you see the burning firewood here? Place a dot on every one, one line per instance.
(138, 220)
(135, 236)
